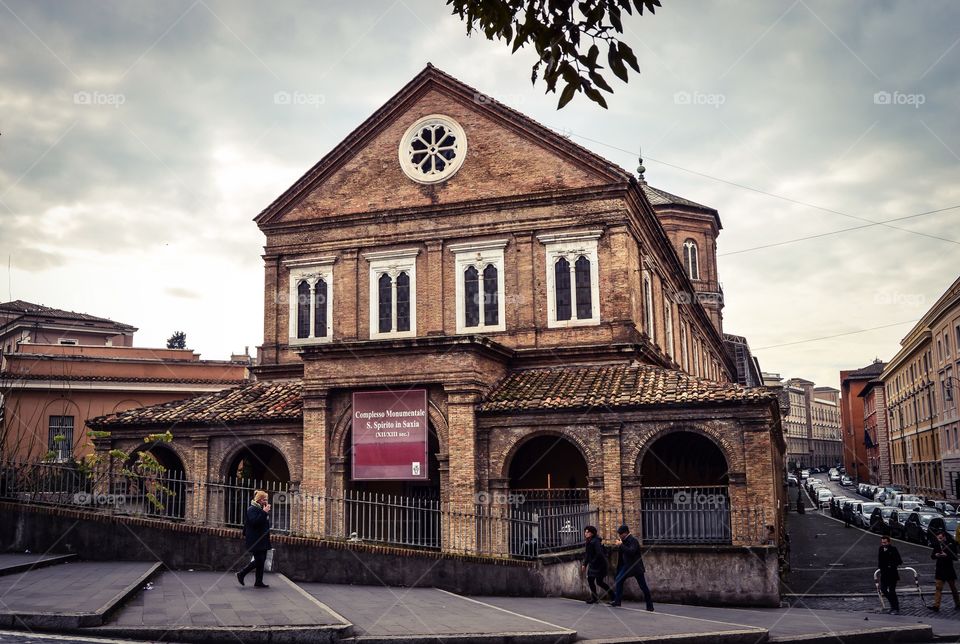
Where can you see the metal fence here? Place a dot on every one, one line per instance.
(554, 523)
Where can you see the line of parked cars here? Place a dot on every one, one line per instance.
(888, 510)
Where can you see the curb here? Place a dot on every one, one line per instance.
(325, 634)
(534, 637)
(68, 620)
(746, 636)
(918, 633)
(42, 563)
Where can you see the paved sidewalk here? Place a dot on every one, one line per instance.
(14, 562)
(425, 613)
(70, 595)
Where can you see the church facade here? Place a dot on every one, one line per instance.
(463, 305)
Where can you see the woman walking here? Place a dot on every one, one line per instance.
(256, 534)
(594, 563)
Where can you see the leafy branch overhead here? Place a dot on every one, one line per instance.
(568, 36)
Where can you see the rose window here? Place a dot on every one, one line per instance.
(433, 149)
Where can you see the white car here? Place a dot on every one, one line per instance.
(824, 496)
(846, 481)
(834, 476)
(804, 474)
(862, 512)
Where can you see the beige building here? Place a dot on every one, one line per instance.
(824, 414)
(812, 426)
(944, 320)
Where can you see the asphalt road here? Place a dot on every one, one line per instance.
(828, 558)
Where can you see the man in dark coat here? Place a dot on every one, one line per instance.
(256, 535)
(888, 560)
(630, 565)
(944, 554)
(594, 563)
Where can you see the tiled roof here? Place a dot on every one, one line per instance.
(612, 386)
(29, 308)
(659, 197)
(255, 402)
(8, 376)
(871, 370)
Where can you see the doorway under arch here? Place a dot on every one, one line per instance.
(684, 490)
(155, 491)
(257, 466)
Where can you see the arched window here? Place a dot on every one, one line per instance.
(582, 279)
(320, 309)
(403, 301)
(385, 302)
(562, 285)
(691, 259)
(303, 310)
(491, 303)
(471, 299)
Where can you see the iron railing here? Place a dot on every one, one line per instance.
(543, 523)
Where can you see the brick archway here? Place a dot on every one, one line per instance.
(230, 457)
(590, 456)
(735, 462)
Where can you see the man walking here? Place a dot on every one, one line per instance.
(630, 565)
(944, 554)
(888, 560)
(594, 563)
(256, 534)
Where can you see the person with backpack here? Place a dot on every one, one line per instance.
(594, 563)
(630, 565)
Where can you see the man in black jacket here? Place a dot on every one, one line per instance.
(944, 554)
(630, 565)
(888, 560)
(256, 534)
(594, 563)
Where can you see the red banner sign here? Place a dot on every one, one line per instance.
(390, 435)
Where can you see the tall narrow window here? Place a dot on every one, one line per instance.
(582, 279)
(403, 302)
(471, 297)
(684, 350)
(648, 307)
(491, 297)
(60, 437)
(573, 282)
(303, 310)
(311, 299)
(385, 303)
(562, 285)
(691, 259)
(668, 326)
(320, 309)
(479, 285)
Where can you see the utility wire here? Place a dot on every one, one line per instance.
(836, 335)
(771, 194)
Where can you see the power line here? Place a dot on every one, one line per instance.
(766, 193)
(836, 232)
(836, 335)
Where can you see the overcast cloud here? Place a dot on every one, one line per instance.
(139, 139)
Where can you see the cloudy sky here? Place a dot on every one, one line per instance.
(139, 139)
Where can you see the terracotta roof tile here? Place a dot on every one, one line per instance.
(255, 402)
(12, 376)
(612, 386)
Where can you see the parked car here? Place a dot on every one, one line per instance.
(804, 474)
(898, 520)
(917, 525)
(836, 506)
(941, 506)
(834, 476)
(823, 497)
(862, 512)
(791, 480)
(880, 519)
(846, 481)
(901, 497)
(942, 524)
(910, 506)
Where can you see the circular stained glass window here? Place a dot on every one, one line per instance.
(433, 149)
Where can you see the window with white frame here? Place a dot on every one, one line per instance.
(668, 326)
(684, 350)
(691, 259)
(311, 300)
(648, 307)
(479, 296)
(573, 281)
(393, 293)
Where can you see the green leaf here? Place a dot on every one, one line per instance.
(600, 82)
(616, 63)
(627, 54)
(567, 95)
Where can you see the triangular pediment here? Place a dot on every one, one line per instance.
(508, 154)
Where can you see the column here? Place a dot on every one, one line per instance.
(521, 311)
(316, 459)
(611, 498)
(434, 315)
(460, 529)
(198, 503)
